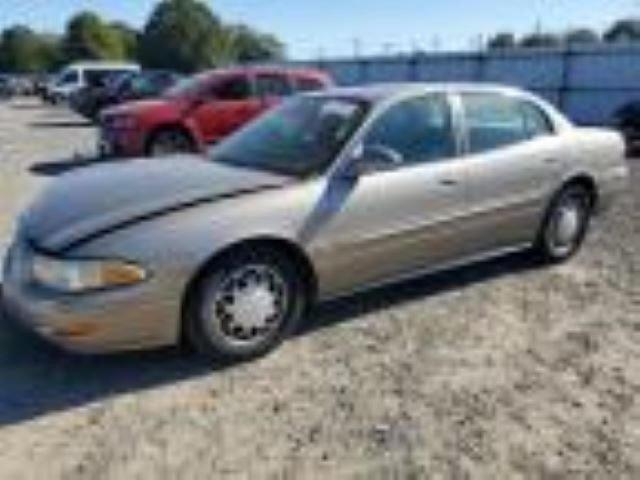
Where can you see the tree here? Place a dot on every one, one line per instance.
(129, 37)
(87, 37)
(540, 40)
(624, 31)
(22, 50)
(254, 46)
(180, 34)
(501, 41)
(582, 36)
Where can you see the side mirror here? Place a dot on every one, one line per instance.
(374, 158)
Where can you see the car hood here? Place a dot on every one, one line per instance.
(93, 200)
(142, 107)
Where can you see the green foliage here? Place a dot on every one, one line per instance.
(22, 50)
(180, 34)
(581, 36)
(88, 38)
(129, 37)
(183, 35)
(540, 40)
(254, 46)
(503, 40)
(624, 31)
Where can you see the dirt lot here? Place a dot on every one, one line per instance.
(501, 370)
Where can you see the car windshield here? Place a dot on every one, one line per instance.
(299, 138)
(188, 87)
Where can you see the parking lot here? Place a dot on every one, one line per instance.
(501, 370)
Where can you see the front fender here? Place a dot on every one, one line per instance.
(176, 245)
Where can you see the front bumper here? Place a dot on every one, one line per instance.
(131, 318)
(120, 143)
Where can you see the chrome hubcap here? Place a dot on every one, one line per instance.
(250, 304)
(252, 307)
(566, 225)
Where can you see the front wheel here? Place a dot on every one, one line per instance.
(566, 224)
(244, 305)
(169, 142)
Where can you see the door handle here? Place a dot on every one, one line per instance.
(551, 161)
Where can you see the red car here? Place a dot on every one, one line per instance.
(201, 110)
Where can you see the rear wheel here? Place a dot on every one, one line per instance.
(244, 305)
(566, 224)
(170, 142)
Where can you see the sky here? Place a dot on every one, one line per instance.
(329, 28)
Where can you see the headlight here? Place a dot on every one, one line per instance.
(81, 275)
(122, 122)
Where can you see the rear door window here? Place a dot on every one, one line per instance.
(70, 77)
(493, 121)
(96, 78)
(273, 85)
(537, 123)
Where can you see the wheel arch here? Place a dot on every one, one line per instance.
(166, 127)
(284, 246)
(586, 181)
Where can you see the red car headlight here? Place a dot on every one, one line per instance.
(122, 122)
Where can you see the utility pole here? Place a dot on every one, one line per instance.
(357, 47)
(387, 48)
(435, 43)
(414, 47)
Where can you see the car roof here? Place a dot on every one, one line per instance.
(383, 91)
(102, 65)
(257, 69)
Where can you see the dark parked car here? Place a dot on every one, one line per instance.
(87, 100)
(6, 89)
(40, 84)
(627, 120)
(90, 101)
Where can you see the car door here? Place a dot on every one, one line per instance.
(392, 222)
(227, 104)
(514, 159)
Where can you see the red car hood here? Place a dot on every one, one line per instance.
(143, 107)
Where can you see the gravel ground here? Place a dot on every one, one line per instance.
(500, 370)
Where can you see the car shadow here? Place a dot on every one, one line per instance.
(30, 106)
(62, 124)
(58, 167)
(377, 299)
(37, 379)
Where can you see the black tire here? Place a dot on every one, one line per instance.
(169, 141)
(551, 245)
(209, 327)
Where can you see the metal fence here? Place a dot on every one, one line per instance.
(587, 83)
